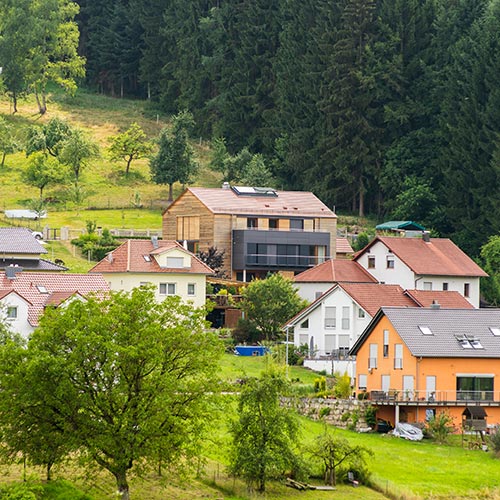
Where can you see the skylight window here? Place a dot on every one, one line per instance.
(425, 330)
(495, 330)
(469, 342)
(147, 258)
(42, 289)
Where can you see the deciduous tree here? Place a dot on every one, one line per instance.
(130, 145)
(43, 170)
(125, 378)
(264, 436)
(174, 160)
(269, 303)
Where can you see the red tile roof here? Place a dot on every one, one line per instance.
(130, 258)
(445, 299)
(371, 297)
(343, 246)
(286, 203)
(38, 288)
(438, 257)
(336, 270)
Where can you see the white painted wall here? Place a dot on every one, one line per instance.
(308, 290)
(403, 276)
(20, 324)
(128, 281)
(317, 331)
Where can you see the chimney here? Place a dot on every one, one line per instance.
(110, 257)
(11, 271)
(426, 236)
(435, 305)
(154, 241)
(226, 185)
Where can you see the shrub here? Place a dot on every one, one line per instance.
(494, 441)
(246, 331)
(342, 389)
(320, 384)
(324, 412)
(440, 427)
(371, 416)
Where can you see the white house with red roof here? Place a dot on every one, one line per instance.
(422, 264)
(312, 283)
(25, 295)
(331, 324)
(166, 265)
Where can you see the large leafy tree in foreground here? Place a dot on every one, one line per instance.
(126, 379)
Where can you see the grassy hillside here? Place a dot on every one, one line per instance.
(103, 182)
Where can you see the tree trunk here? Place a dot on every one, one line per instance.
(127, 168)
(14, 103)
(49, 471)
(42, 103)
(4, 154)
(121, 482)
(361, 198)
(171, 192)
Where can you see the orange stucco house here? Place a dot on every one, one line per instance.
(416, 362)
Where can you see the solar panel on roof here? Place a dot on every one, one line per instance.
(254, 191)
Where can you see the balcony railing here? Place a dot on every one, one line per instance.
(283, 260)
(438, 397)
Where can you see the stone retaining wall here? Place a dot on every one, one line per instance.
(344, 413)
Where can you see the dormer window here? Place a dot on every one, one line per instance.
(175, 262)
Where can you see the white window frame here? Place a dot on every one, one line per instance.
(167, 288)
(191, 289)
(11, 312)
(346, 311)
(331, 321)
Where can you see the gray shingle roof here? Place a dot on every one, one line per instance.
(19, 240)
(447, 326)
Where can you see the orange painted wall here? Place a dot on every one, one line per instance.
(444, 369)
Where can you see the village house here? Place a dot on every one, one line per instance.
(166, 265)
(260, 230)
(415, 362)
(333, 322)
(25, 295)
(312, 283)
(422, 263)
(19, 247)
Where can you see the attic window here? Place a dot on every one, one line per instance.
(425, 330)
(495, 331)
(175, 262)
(147, 258)
(469, 342)
(42, 289)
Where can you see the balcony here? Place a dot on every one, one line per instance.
(277, 249)
(435, 398)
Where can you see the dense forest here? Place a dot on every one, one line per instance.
(383, 107)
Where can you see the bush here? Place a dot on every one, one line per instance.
(342, 389)
(371, 416)
(440, 427)
(324, 412)
(494, 441)
(246, 331)
(320, 384)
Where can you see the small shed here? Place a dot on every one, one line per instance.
(474, 418)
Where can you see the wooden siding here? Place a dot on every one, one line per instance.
(189, 206)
